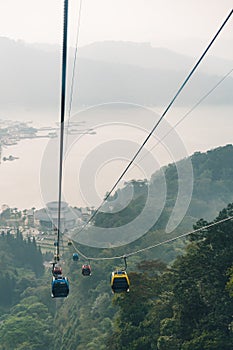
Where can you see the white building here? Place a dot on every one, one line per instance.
(48, 217)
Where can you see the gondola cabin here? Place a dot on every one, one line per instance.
(86, 270)
(120, 281)
(60, 287)
(75, 257)
(57, 271)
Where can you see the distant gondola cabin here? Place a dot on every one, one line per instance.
(57, 271)
(86, 270)
(75, 257)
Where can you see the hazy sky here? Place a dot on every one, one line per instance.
(169, 23)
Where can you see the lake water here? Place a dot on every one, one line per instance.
(113, 143)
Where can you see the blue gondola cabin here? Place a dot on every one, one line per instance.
(75, 257)
(60, 287)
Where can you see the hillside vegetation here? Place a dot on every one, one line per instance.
(180, 295)
(212, 189)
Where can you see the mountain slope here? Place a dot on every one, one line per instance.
(145, 56)
(212, 190)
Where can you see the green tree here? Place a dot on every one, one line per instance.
(16, 331)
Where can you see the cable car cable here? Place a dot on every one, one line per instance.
(75, 61)
(186, 114)
(159, 121)
(125, 257)
(73, 71)
(63, 96)
(154, 245)
(179, 122)
(181, 236)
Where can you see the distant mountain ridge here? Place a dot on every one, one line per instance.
(146, 56)
(105, 72)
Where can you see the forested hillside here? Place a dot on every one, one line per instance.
(213, 186)
(21, 263)
(164, 299)
(25, 306)
(188, 306)
(183, 306)
(212, 189)
(180, 295)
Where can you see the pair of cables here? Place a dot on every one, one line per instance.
(63, 95)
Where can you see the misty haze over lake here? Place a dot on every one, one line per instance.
(134, 74)
(205, 128)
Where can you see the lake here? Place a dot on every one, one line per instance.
(95, 160)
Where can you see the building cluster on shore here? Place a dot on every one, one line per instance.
(41, 223)
(11, 132)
